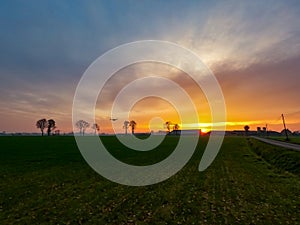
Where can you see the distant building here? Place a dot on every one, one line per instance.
(243, 132)
(185, 132)
(287, 130)
(296, 133)
(273, 133)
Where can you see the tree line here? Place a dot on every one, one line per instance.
(82, 125)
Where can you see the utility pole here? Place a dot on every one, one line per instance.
(286, 134)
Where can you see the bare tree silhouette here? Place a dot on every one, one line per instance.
(168, 125)
(82, 125)
(42, 124)
(176, 128)
(125, 126)
(96, 128)
(246, 129)
(51, 126)
(132, 123)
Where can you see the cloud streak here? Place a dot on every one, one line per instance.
(245, 33)
(253, 47)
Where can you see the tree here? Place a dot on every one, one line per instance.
(125, 126)
(132, 123)
(41, 124)
(51, 126)
(168, 125)
(96, 128)
(258, 130)
(176, 128)
(246, 129)
(82, 125)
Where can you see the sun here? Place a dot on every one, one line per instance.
(204, 130)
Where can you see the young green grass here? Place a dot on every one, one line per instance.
(292, 139)
(44, 180)
(281, 158)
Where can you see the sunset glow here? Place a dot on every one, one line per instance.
(252, 48)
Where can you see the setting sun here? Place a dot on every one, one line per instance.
(150, 112)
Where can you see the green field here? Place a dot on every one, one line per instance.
(292, 139)
(44, 180)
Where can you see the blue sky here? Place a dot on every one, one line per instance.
(47, 45)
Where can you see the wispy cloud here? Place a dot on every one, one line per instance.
(252, 46)
(240, 34)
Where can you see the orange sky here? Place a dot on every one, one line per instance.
(253, 49)
(252, 97)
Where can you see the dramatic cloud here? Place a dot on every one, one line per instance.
(240, 34)
(253, 47)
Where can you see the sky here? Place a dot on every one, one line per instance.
(252, 47)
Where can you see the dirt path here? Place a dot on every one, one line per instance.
(279, 143)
